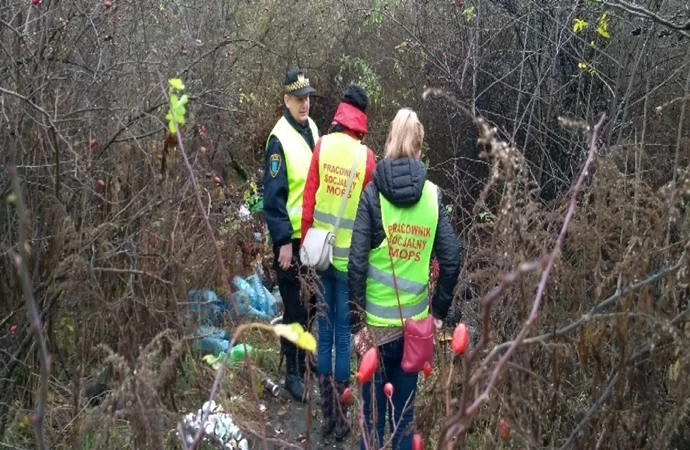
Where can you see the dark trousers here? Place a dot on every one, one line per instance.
(295, 310)
(397, 412)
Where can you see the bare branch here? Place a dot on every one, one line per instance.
(610, 301)
(224, 277)
(21, 261)
(641, 11)
(459, 423)
(132, 271)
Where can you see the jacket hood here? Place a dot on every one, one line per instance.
(351, 118)
(401, 181)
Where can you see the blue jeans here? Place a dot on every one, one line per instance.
(334, 325)
(401, 414)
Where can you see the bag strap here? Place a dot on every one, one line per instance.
(395, 285)
(347, 194)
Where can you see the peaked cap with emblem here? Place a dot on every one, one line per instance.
(297, 83)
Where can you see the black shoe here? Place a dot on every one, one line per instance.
(294, 382)
(295, 386)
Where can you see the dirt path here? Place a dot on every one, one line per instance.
(287, 421)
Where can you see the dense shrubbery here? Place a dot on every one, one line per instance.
(115, 238)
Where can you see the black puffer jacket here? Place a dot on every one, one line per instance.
(401, 181)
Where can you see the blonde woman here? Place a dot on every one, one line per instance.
(401, 224)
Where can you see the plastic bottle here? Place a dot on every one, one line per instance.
(258, 298)
(215, 332)
(255, 302)
(269, 299)
(211, 345)
(239, 352)
(205, 305)
(246, 309)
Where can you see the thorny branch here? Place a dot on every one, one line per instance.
(458, 424)
(487, 303)
(132, 271)
(43, 112)
(640, 11)
(594, 409)
(226, 283)
(21, 261)
(610, 301)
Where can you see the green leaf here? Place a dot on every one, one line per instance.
(213, 361)
(177, 111)
(176, 84)
(486, 217)
(469, 13)
(579, 25)
(603, 26)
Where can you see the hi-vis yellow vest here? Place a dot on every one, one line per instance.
(410, 236)
(336, 157)
(297, 160)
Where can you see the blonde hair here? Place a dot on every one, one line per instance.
(405, 136)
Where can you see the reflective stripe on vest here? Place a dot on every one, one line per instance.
(336, 155)
(297, 160)
(410, 234)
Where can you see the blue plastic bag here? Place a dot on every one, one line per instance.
(270, 305)
(245, 308)
(215, 332)
(206, 306)
(210, 345)
(261, 304)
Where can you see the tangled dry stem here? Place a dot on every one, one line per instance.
(521, 226)
(21, 261)
(228, 289)
(461, 421)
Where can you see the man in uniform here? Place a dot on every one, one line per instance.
(288, 156)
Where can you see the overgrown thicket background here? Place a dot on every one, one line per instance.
(116, 239)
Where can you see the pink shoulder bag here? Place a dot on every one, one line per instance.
(418, 336)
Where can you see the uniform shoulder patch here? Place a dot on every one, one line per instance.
(274, 164)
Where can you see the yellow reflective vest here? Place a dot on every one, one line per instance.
(297, 160)
(409, 243)
(336, 156)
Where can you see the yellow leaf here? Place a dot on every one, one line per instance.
(24, 424)
(579, 25)
(212, 361)
(469, 13)
(307, 342)
(176, 84)
(287, 331)
(581, 65)
(296, 334)
(603, 26)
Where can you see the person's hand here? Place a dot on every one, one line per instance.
(438, 323)
(362, 341)
(285, 256)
